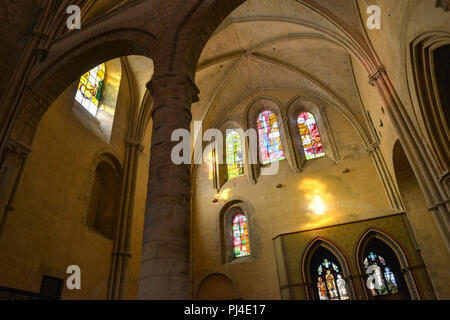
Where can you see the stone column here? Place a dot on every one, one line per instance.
(416, 152)
(12, 163)
(165, 268)
(386, 178)
(122, 239)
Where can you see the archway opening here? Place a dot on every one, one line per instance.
(217, 287)
(423, 225)
(442, 72)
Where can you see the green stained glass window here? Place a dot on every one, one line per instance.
(235, 161)
(90, 88)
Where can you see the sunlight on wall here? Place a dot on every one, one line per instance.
(317, 205)
(223, 195)
(318, 202)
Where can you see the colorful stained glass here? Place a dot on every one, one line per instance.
(90, 88)
(312, 144)
(240, 236)
(235, 161)
(269, 137)
(383, 279)
(330, 283)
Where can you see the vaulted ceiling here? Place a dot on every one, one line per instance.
(276, 45)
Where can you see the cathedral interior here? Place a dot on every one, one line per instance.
(317, 159)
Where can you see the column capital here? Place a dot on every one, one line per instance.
(373, 78)
(18, 148)
(174, 79)
(438, 204)
(135, 144)
(372, 147)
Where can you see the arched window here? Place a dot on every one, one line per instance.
(241, 243)
(309, 133)
(90, 88)
(327, 275)
(235, 160)
(383, 280)
(269, 137)
(102, 210)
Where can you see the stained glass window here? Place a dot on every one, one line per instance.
(309, 133)
(269, 137)
(330, 283)
(383, 279)
(240, 236)
(235, 161)
(90, 88)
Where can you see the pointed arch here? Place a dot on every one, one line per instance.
(427, 60)
(335, 254)
(399, 252)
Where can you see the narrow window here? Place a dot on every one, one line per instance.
(330, 284)
(240, 236)
(90, 88)
(235, 160)
(269, 137)
(326, 273)
(312, 144)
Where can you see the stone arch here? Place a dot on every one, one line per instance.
(55, 74)
(195, 31)
(206, 16)
(217, 286)
(337, 253)
(426, 89)
(71, 56)
(413, 195)
(399, 252)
